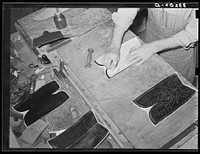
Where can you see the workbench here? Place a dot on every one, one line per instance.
(112, 99)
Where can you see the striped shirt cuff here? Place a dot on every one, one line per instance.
(183, 39)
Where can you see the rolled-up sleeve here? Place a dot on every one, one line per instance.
(124, 17)
(188, 37)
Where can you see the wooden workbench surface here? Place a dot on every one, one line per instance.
(116, 95)
(79, 21)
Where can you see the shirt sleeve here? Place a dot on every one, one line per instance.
(124, 17)
(188, 37)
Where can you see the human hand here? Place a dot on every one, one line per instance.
(141, 54)
(111, 58)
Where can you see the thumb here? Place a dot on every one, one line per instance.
(113, 65)
(103, 59)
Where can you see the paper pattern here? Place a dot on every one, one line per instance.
(122, 64)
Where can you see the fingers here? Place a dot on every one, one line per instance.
(135, 60)
(134, 57)
(108, 63)
(140, 62)
(131, 56)
(113, 65)
(133, 49)
(104, 59)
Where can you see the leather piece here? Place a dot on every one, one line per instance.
(32, 100)
(92, 138)
(47, 38)
(47, 105)
(41, 102)
(85, 133)
(165, 97)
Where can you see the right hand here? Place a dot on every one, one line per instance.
(111, 58)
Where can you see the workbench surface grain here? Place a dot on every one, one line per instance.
(79, 21)
(116, 95)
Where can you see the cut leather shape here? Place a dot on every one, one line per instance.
(41, 102)
(165, 97)
(33, 100)
(47, 38)
(85, 133)
(46, 106)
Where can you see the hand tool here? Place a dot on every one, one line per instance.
(57, 74)
(44, 70)
(62, 67)
(33, 83)
(89, 58)
(44, 59)
(32, 66)
(62, 74)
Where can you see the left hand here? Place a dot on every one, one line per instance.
(142, 54)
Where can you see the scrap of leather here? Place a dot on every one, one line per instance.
(41, 102)
(32, 100)
(164, 98)
(31, 133)
(47, 105)
(85, 133)
(18, 130)
(47, 38)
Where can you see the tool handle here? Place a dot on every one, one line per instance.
(57, 74)
(89, 58)
(62, 74)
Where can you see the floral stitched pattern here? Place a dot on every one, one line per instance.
(164, 98)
